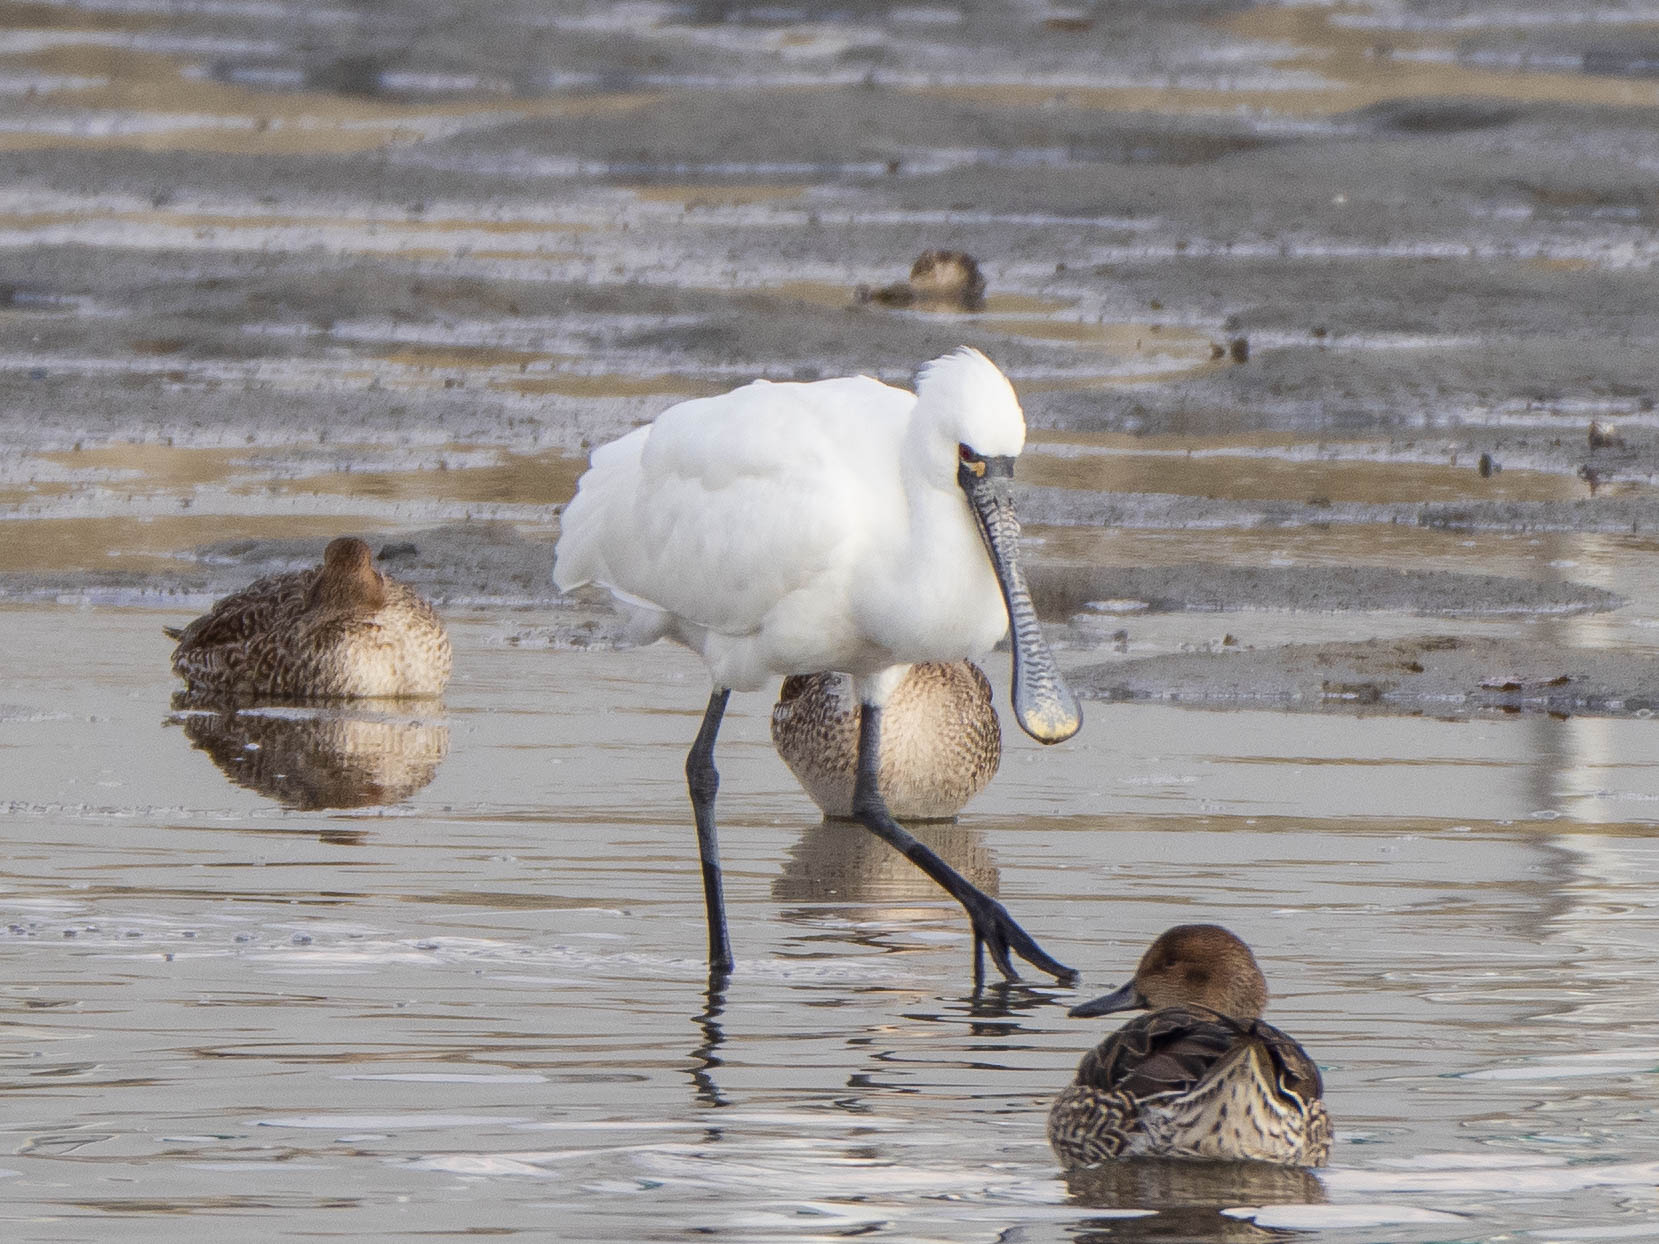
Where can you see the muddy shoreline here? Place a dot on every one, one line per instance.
(1321, 319)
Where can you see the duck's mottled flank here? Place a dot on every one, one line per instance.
(940, 742)
(341, 631)
(1191, 1081)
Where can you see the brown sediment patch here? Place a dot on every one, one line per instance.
(1259, 476)
(158, 501)
(717, 196)
(146, 546)
(517, 479)
(176, 111)
(1594, 555)
(148, 467)
(1359, 67)
(568, 385)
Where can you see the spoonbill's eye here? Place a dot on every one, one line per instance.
(966, 454)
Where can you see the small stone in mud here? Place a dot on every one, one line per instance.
(1239, 348)
(400, 549)
(1488, 466)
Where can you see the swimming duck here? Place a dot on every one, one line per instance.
(940, 740)
(1200, 1077)
(940, 280)
(341, 631)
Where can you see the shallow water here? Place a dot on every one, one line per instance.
(483, 1007)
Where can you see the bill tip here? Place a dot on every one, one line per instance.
(1052, 722)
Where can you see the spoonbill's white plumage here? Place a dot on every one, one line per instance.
(835, 525)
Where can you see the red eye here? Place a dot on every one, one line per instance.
(966, 454)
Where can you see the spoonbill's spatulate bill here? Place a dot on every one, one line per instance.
(836, 525)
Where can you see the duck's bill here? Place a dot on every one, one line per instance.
(1124, 998)
(1043, 704)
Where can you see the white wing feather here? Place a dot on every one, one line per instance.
(727, 508)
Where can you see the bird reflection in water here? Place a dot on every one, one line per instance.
(869, 883)
(308, 758)
(1186, 1199)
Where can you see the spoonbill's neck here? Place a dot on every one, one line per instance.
(937, 597)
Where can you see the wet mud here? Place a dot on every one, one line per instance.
(1251, 267)
(1434, 674)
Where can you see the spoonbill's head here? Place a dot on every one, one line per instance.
(964, 401)
(968, 420)
(1190, 965)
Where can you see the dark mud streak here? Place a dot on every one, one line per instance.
(1435, 674)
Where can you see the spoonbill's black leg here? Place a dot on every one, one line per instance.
(993, 927)
(702, 780)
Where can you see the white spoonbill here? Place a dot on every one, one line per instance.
(836, 525)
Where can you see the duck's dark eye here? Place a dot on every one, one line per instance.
(966, 454)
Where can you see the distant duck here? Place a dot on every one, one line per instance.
(341, 631)
(940, 280)
(1200, 1077)
(940, 739)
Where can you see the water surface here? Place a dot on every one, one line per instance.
(484, 1006)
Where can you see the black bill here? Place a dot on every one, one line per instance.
(1043, 704)
(1124, 998)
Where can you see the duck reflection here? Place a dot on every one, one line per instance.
(838, 862)
(340, 756)
(1186, 1198)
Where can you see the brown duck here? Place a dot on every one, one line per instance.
(940, 280)
(341, 631)
(1200, 1077)
(940, 740)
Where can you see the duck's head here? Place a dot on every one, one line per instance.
(349, 579)
(951, 278)
(1190, 965)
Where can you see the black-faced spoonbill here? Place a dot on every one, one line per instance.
(1200, 1077)
(941, 742)
(340, 631)
(836, 525)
